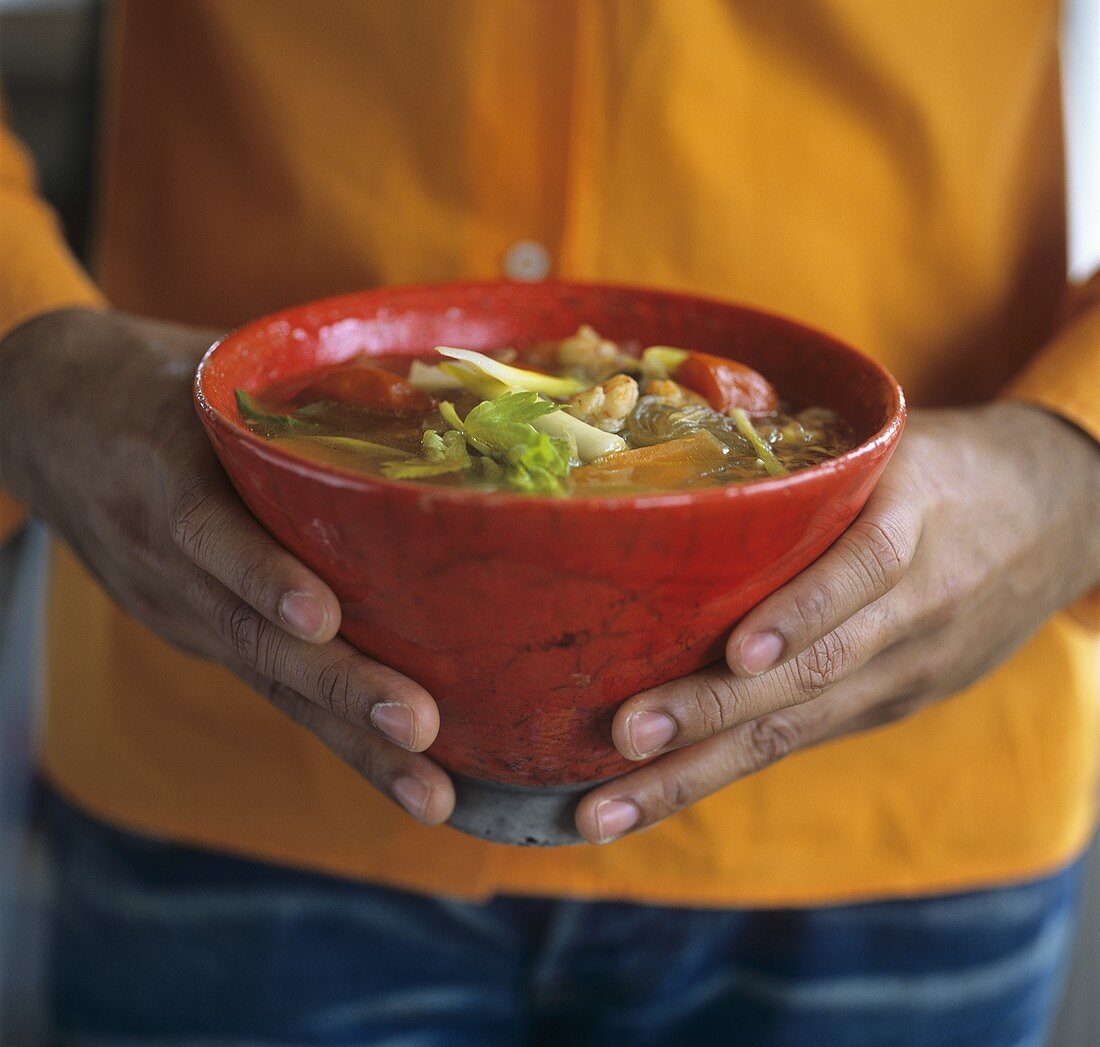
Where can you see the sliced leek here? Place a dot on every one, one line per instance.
(432, 378)
(763, 451)
(516, 377)
(476, 381)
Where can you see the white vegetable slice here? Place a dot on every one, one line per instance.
(479, 383)
(516, 377)
(592, 443)
(431, 378)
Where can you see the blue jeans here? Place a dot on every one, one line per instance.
(160, 944)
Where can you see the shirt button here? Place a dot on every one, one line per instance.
(526, 260)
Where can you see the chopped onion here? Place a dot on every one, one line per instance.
(592, 443)
(431, 378)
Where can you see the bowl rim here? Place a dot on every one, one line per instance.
(335, 476)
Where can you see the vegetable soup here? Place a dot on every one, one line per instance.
(583, 415)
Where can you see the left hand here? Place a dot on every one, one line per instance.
(983, 525)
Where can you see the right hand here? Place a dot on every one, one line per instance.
(99, 437)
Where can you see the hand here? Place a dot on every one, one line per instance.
(99, 437)
(982, 526)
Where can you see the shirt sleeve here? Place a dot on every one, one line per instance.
(38, 272)
(1065, 378)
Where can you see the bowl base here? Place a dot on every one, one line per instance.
(515, 814)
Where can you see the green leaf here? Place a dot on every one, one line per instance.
(435, 446)
(539, 466)
(440, 455)
(254, 413)
(512, 453)
(532, 461)
(505, 422)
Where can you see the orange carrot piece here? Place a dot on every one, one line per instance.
(669, 465)
(726, 384)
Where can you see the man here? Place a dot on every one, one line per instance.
(891, 175)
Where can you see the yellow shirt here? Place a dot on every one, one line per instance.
(888, 171)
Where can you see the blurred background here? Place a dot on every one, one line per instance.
(49, 67)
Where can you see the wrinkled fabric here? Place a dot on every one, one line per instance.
(158, 943)
(890, 172)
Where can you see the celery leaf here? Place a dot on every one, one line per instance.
(439, 455)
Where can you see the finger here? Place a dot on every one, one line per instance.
(862, 566)
(417, 784)
(648, 795)
(333, 676)
(215, 531)
(893, 685)
(686, 711)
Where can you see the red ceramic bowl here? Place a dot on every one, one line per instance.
(529, 618)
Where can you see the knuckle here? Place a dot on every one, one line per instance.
(960, 594)
(925, 674)
(253, 576)
(675, 792)
(822, 664)
(240, 625)
(812, 605)
(942, 610)
(714, 704)
(880, 557)
(335, 691)
(920, 680)
(770, 738)
(896, 708)
(192, 515)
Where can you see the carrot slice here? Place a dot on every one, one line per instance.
(668, 465)
(726, 384)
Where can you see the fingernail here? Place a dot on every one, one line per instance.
(760, 651)
(395, 721)
(615, 817)
(650, 731)
(412, 794)
(304, 614)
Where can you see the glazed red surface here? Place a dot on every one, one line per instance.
(352, 383)
(530, 619)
